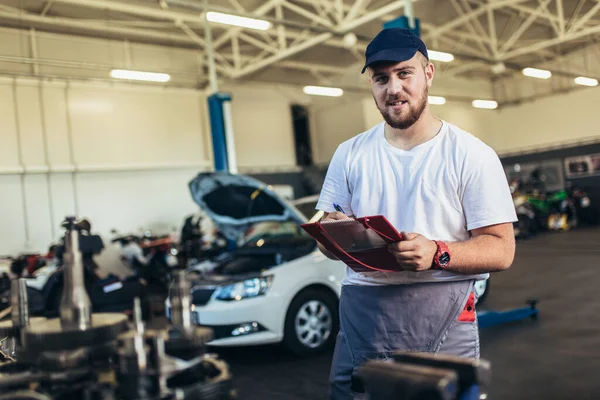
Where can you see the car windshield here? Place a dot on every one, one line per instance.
(266, 245)
(272, 231)
(307, 209)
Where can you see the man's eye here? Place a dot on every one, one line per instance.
(404, 73)
(381, 79)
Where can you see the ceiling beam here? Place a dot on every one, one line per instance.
(471, 27)
(47, 7)
(372, 15)
(288, 52)
(456, 22)
(259, 12)
(307, 14)
(538, 12)
(493, 34)
(516, 10)
(583, 20)
(355, 9)
(574, 14)
(132, 9)
(561, 16)
(296, 65)
(548, 15)
(101, 28)
(551, 42)
(321, 38)
(226, 66)
(521, 29)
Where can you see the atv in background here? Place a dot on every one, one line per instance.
(540, 210)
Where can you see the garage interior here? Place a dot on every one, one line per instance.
(105, 115)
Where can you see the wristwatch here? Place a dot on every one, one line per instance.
(441, 259)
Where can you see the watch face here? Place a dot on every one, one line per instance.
(444, 258)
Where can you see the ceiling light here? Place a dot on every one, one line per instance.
(487, 104)
(582, 80)
(440, 56)
(537, 73)
(437, 100)
(323, 91)
(139, 75)
(235, 20)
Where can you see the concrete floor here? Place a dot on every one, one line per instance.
(555, 357)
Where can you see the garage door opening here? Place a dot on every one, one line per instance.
(302, 135)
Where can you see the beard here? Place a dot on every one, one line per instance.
(413, 113)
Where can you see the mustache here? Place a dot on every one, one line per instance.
(393, 100)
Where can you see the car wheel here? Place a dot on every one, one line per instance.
(524, 227)
(311, 323)
(482, 288)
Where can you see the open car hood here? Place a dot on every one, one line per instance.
(236, 202)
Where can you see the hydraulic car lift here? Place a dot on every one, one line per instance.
(490, 318)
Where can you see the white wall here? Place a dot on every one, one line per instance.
(336, 120)
(121, 156)
(341, 119)
(558, 120)
(263, 127)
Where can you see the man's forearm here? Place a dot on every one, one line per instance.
(481, 254)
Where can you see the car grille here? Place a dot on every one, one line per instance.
(201, 296)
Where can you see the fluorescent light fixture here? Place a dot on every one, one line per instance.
(437, 100)
(537, 73)
(440, 56)
(139, 75)
(235, 20)
(323, 91)
(582, 80)
(487, 104)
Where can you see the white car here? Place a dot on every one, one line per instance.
(276, 286)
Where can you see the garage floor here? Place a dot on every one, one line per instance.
(556, 357)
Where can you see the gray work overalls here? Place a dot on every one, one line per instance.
(375, 321)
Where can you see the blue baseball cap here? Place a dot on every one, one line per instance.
(394, 44)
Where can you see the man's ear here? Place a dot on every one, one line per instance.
(429, 73)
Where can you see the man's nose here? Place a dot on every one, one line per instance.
(394, 86)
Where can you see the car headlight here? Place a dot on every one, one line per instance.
(244, 289)
(585, 202)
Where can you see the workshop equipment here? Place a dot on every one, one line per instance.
(86, 355)
(425, 376)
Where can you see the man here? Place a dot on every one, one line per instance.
(447, 193)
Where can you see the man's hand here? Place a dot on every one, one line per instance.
(414, 253)
(332, 216)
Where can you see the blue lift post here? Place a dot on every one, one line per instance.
(491, 318)
(219, 109)
(217, 127)
(404, 22)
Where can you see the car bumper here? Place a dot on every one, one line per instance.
(250, 321)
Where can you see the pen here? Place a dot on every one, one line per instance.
(338, 208)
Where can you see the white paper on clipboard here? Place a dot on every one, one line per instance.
(352, 235)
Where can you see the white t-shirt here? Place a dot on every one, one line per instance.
(442, 189)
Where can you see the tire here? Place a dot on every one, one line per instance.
(524, 227)
(308, 337)
(53, 302)
(482, 289)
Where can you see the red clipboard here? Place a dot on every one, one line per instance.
(361, 243)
